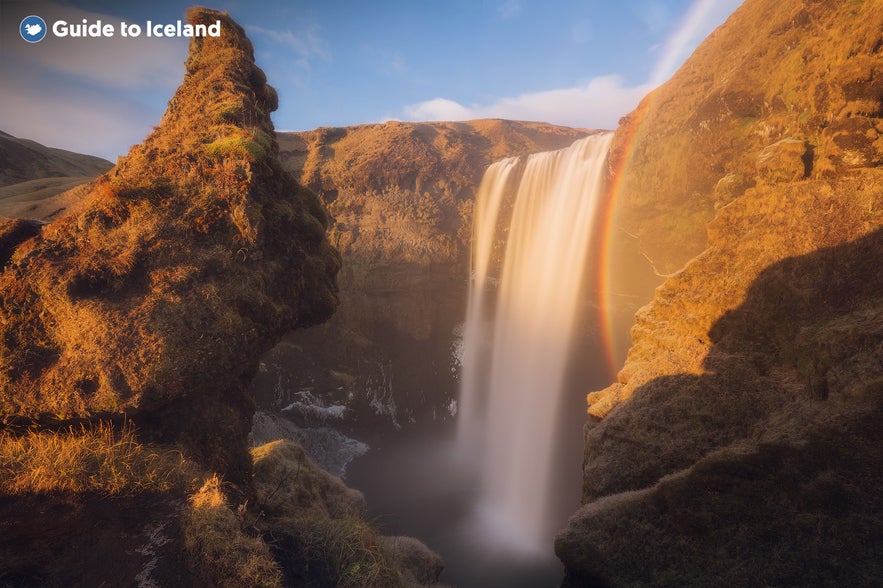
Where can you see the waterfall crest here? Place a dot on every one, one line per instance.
(517, 334)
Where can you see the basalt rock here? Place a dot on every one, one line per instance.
(188, 260)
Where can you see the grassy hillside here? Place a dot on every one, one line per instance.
(22, 160)
(36, 181)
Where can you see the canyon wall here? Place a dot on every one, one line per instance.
(740, 444)
(401, 193)
(400, 196)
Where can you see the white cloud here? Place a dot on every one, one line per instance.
(121, 63)
(598, 104)
(510, 9)
(440, 109)
(307, 44)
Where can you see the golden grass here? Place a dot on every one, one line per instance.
(235, 146)
(95, 458)
(332, 540)
(351, 549)
(220, 552)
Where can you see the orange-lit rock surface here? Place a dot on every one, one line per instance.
(741, 443)
(187, 261)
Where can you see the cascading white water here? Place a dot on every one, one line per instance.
(515, 346)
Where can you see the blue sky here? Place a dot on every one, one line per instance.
(578, 63)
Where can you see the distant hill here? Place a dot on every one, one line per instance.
(33, 175)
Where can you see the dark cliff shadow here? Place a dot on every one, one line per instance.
(91, 539)
(779, 321)
(766, 470)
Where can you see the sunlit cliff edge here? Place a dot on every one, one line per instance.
(741, 442)
(401, 194)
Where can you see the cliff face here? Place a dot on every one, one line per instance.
(187, 260)
(784, 91)
(400, 195)
(740, 444)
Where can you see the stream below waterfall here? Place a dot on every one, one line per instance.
(415, 484)
(484, 475)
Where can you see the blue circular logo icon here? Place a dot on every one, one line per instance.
(32, 29)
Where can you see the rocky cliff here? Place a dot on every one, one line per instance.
(130, 331)
(740, 445)
(401, 193)
(784, 91)
(400, 196)
(187, 260)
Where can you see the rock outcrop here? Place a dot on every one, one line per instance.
(318, 529)
(187, 261)
(782, 91)
(152, 305)
(741, 443)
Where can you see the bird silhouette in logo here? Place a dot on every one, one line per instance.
(33, 29)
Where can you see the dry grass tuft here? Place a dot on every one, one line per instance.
(95, 458)
(328, 542)
(220, 552)
(352, 551)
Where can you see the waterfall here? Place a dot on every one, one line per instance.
(519, 326)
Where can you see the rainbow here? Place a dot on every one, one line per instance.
(621, 154)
